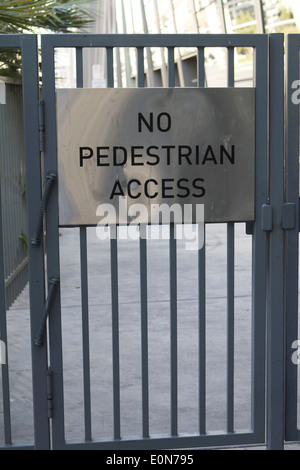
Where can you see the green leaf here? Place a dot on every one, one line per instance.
(19, 16)
(56, 15)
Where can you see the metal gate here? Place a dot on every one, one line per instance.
(170, 438)
(92, 347)
(26, 45)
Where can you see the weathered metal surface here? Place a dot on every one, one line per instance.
(153, 147)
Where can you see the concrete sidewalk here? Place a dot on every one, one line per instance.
(130, 338)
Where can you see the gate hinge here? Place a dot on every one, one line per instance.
(42, 126)
(288, 216)
(49, 393)
(266, 218)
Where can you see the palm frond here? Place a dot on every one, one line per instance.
(18, 16)
(56, 15)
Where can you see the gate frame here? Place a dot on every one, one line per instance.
(27, 43)
(260, 229)
(273, 214)
(36, 252)
(292, 432)
(275, 293)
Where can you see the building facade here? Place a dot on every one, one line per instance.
(177, 16)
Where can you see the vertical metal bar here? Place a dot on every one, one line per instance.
(173, 289)
(144, 292)
(114, 292)
(115, 334)
(85, 334)
(52, 239)
(171, 67)
(292, 236)
(110, 66)
(79, 67)
(202, 289)
(201, 67)
(144, 329)
(35, 254)
(11, 221)
(230, 67)
(140, 67)
(230, 290)
(259, 242)
(202, 337)
(3, 337)
(16, 219)
(230, 327)
(275, 311)
(173, 331)
(84, 293)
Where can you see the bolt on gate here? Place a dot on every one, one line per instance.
(128, 352)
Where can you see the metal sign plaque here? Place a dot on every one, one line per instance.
(186, 146)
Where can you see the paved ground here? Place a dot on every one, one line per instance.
(159, 338)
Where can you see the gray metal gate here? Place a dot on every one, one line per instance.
(101, 349)
(27, 47)
(170, 438)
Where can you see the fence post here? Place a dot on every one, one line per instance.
(275, 301)
(292, 236)
(36, 254)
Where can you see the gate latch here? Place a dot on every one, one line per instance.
(288, 216)
(266, 218)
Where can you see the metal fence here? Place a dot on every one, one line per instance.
(13, 193)
(19, 116)
(129, 346)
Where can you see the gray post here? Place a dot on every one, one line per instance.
(275, 306)
(292, 236)
(36, 254)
